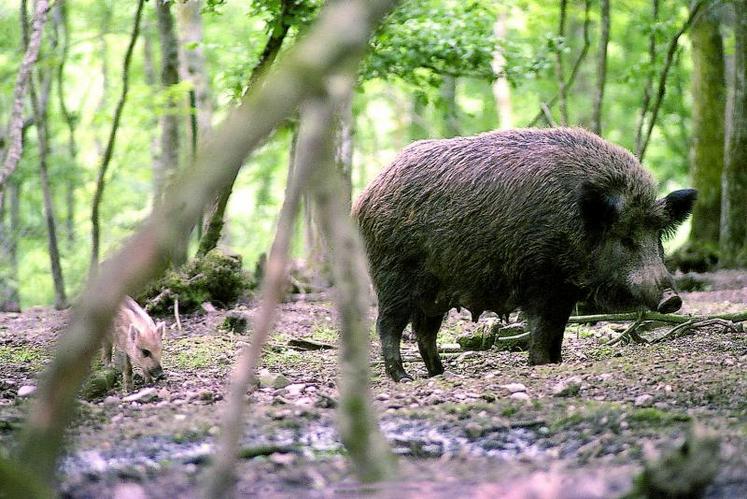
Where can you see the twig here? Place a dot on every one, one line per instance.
(176, 314)
(630, 333)
(685, 327)
(654, 316)
(548, 115)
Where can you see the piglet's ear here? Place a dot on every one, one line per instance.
(677, 207)
(161, 330)
(599, 209)
(133, 332)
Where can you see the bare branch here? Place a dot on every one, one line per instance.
(107, 156)
(671, 50)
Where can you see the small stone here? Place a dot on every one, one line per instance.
(282, 458)
(129, 490)
(111, 400)
(272, 380)
(515, 387)
(117, 418)
(206, 396)
(382, 396)
(466, 355)
(520, 396)
(606, 376)
(473, 430)
(569, 387)
(645, 400)
(143, 396)
(294, 389)
(164, 394)
(180, 417)
(26, 390)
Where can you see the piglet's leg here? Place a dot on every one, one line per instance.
(106, 352)
(127, 374)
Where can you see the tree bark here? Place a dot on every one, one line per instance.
(214, 219)
(334, 45)
(733, 238)
(708, 118)
(60, 18)
(357, 421)
(649, 85)
(451, 109)
(559, 65)
(604, 36)
(501, 87)
(169, 163)
(15, 123)
(150, 80)
(40, 106)
(109, 150)
(9, 227)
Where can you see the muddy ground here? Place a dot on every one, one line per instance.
(490, 426)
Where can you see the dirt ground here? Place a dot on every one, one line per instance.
(490, 426)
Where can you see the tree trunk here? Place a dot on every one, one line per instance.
(451, 109)
(15, 123)
(604, 36)
(191, 34)
(9, 228)
(344, 131)
(109, 150)
(418, 129)
(60, 19)
(733, 238)
(560, 66)
(40, 106)
(150, 80)
(213, 226)
(707, 142)
(501, 87)
(169, 163)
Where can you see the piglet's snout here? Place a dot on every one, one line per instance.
(670, 302)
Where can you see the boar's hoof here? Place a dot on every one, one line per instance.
(670, 302)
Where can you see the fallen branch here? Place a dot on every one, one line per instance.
(176, 314)
(654, 316)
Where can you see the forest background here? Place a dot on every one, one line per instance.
(665, 79)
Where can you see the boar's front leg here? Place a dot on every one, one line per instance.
(426, 329)
(546, 321)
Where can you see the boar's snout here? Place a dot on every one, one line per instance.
(670, 302)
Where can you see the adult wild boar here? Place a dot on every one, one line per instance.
(138, 338)
(531, 218)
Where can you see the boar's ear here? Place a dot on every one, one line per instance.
(133, 332)
(677, 206)
(599, 209)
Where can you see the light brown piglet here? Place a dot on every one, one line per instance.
(139, 339)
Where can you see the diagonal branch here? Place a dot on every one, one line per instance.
(338, 40)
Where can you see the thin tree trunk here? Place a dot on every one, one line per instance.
(9, 229)
(642, 144)
(451, 110)
(214, 219)
(169, 76)
(708, 118)
(501, 87)
(109, 150)
(559, 66)
(15, 123)
(150, 80)
(60, 18)
(344, 130)
(604, 36)
(105, 73)
(358, 428)
(190, 22)
(418, 127)
(40, 106)
(648, 87)
(733, 238)
(545, 106)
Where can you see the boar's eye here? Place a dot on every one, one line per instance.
(146, 353)
(629, 242)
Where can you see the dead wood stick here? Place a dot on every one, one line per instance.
(654, 316)
(176, 314)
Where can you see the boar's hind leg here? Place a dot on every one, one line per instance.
(547, 325)
(390, 324)
(425, 329)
